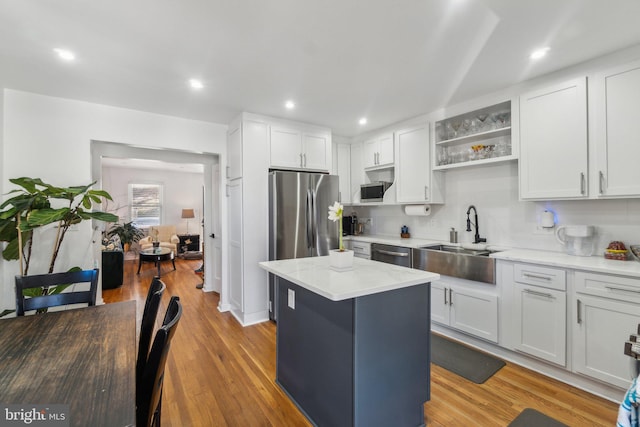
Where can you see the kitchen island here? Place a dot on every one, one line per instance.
(353, 347)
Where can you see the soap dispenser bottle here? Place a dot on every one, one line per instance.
(453, 236)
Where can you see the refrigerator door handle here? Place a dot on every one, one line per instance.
(314, 222)
(309, 215)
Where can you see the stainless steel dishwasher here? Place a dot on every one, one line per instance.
(398, 255)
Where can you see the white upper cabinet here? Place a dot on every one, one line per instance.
(293, 148)
(553, 142)
(234, 150)
(616, 137)
(343, 170)
(413, 174)
(378, 152)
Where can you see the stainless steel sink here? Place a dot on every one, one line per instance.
(458, 250)
(455, 261)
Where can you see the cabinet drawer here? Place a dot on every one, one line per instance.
(604, 285)
(361, 248)
(552, 278)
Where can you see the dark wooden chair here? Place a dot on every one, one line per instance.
(149, 390)
(54, 300)
(151, 305)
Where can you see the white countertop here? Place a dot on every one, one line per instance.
(596, 263)
(397, 241)
(366, 278)
(599, 263)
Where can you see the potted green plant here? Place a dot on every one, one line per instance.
(127, 232)
(30, 207)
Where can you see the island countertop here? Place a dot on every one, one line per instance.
(366, 278)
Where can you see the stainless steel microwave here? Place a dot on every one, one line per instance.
(373, 192)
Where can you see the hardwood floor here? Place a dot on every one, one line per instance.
(221, 374)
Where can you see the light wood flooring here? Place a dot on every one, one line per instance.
(221, 374)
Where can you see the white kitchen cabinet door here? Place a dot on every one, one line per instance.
(439, 303)
(385, 150)
(617, 136)
(343, 169)
(474, 312)
(553, 142)
(540, 317)
(316, 151)
(370, 153)
(235, 262)
(357, 171)
(378, 151)
(286, 148)
(600, 330)
(414, 166)
(234, 152)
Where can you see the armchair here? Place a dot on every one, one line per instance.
(166, 235)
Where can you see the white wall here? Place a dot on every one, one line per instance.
(504, 220)
(181, 191)
(49, 138)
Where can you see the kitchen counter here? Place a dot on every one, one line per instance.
(366, 278)
(597, 264)
(396, 241)
(353, 347)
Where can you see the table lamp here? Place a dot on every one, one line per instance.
(188, 213)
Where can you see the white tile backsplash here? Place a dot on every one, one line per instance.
(505, 220)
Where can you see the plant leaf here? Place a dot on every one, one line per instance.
(46, 216)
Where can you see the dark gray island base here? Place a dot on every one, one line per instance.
(362, 361)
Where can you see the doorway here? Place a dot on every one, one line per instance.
(210, 217)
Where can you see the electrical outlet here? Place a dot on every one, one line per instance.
(291, 299)
(370, 223)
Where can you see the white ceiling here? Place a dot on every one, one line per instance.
(340, 60)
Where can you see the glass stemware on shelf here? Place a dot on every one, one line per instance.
(482, 117)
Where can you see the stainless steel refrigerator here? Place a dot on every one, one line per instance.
(299, 226)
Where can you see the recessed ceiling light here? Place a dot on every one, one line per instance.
(289, 105)
(539, 53)
(363, 121)
(195, 84)
(65, 54)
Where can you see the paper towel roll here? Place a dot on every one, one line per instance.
(417, 210)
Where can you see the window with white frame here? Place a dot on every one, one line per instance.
(145, 202)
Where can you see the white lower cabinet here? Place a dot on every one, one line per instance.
(467, 306)
(607, 312)
(540, 322)
(539, 312)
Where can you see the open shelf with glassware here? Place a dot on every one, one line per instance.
(477, 137)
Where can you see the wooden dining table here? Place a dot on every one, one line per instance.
(84, 358)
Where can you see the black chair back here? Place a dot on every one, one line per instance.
(151, 305)
(49, 280)
(149, 390)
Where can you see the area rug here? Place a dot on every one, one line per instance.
(532, 418)
(462, 360)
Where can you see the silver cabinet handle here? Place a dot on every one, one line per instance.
(358, 247)
(300, 159)
(582, 189)
(535, 276)
(540, 294)
(578, 312)
(613, 288)
(600, 180)
(450, 297)
(382, 251)
(340, 196)
(304, 156)
(227, 171)
(426, 192)
(445, 297)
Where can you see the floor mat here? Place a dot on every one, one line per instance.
(462, 360)
(532, 418)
